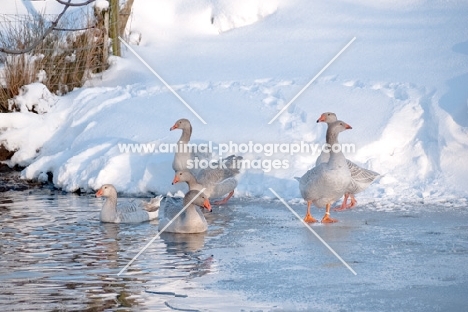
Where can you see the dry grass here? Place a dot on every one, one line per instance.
(63, 61)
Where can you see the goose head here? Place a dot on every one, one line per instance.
(182, 176)
(199, 200)
(183, 124)
(327, 117)
(107, 190)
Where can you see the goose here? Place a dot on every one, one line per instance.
(191, 220)
(186, 152)
(361, 178)
(182, 155)
(126, 212)
(216, 180)
(327, 182)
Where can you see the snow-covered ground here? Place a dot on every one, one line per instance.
(402, 85)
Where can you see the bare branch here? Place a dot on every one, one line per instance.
(74, 29)
(75, 4)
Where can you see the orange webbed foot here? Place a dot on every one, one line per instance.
(327, 219)
(309, 219)
(342, 207)
(225, 200)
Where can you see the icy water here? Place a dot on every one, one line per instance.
(256, 256)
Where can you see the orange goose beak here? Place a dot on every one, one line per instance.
(207, 205)
(322, 118)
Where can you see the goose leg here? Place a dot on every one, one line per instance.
(326, 218)
(353, 202)
(222, 202)
(343, 206)
(308, 218)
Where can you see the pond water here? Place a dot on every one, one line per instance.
(57, 256)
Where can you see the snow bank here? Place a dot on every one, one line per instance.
(227, 15)
(34, 97)
(406, 121)
(174, 19)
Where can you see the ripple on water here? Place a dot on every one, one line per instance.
(57, 255)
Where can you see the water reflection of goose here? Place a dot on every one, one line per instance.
(187, 260)
(183, 243)
(110, 230)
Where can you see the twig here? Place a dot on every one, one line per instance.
(74, 29)
(75, 4)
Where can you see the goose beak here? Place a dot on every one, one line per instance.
(321, 119)
(207, 205)
(348, 127)
(176, 179)
(99, 193)
(173, 127)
